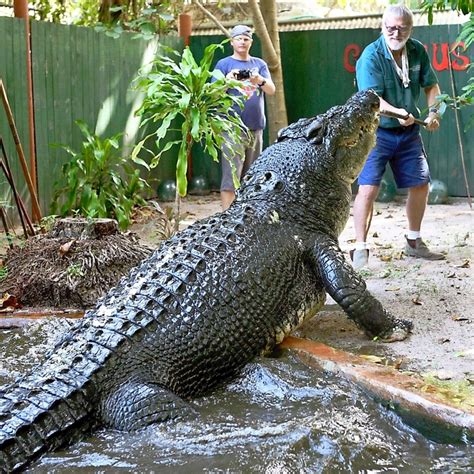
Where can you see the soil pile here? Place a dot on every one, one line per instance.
(71, 266)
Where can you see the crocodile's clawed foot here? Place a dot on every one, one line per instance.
(400, 331)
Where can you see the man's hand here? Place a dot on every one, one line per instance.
(231, 75)
(409, 120)
(256, 79)
(433, 121)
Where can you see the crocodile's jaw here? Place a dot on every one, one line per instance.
(351, 133)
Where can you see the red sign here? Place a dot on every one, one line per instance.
(442, 56)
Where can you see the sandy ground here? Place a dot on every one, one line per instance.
(436, 296)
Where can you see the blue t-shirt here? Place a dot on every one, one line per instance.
(253, 113)
(375, 70)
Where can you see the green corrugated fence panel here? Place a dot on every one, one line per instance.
(318, 69)
(443, 147)
(13, 75)
(83, 74)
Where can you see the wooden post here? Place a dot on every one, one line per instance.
(21, 155)
(185, 27)
(20, 9)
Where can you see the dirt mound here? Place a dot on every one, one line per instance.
(71, 266)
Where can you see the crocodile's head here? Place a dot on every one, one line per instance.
(306, 175)
(345, 134)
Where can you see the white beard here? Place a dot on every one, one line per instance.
(395, 44)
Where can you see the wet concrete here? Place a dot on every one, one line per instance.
(428, 412)
(23, 317)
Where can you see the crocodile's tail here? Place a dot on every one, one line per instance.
(41, 413)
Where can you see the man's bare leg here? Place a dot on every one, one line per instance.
(362, 210)
(227, 198)
(415, 209)
(416, 205)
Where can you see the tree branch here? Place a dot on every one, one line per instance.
(262, 31)
(212, 17)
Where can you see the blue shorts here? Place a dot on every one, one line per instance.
(241, 156)
(402, 148)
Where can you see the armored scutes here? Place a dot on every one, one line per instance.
(211, 298)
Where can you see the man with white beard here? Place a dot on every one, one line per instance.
(397, 67)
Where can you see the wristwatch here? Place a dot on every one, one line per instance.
(434, 110)
(262, 84)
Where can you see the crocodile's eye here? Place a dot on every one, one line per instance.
(279, 186)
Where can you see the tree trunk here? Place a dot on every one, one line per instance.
(105, 15)
(266, 26)
(82, 228)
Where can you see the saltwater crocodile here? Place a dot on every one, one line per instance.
(211, 298)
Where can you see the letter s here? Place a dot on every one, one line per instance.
(463, 62)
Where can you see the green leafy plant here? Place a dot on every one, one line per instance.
(98, 181)
(75, 270)
(148, 23)
(3, 273)
(47, 223)
(180, 92)
(143, 17)
(463, 6)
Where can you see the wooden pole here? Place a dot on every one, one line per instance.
(20, 9)
(5, 165)
(5, 227)
(458, 130)
(21, 155)
(185, 27)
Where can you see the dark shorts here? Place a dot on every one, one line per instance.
(242, 157)
(403, 149)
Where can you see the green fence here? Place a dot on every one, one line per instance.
(13, 75)
(318, 68)
(78, 73)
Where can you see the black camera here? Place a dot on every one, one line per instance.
(243, 74)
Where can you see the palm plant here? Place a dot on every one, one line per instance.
(179, 95)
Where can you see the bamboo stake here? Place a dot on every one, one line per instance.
(20, 206)
(458, 130)
(5, 165)
(5, 227)
(21, 155)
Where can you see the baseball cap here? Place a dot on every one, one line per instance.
(241, 30)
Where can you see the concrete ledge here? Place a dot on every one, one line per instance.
(22, 317)
(434, 417)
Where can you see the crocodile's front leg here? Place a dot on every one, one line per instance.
(349, 290)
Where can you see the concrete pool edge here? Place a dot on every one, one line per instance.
(395, 390)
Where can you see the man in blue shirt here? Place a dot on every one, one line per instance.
(397, 67)
(256, 81)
